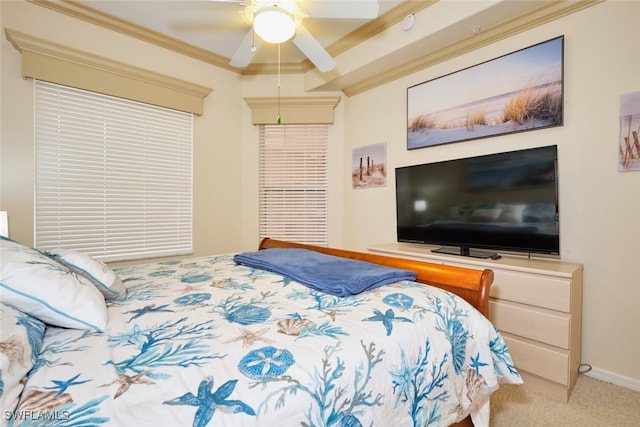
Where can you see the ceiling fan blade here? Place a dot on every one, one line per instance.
(339, 9)
(313, 50)
(247, 49)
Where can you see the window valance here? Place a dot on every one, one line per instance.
(293, 110)
(47, 61)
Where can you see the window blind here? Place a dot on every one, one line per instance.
(294, 183)
(113, 177)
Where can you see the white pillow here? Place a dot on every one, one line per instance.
(21, 339)
(42, 287)
(97, 272)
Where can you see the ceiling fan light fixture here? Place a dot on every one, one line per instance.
(274, 24)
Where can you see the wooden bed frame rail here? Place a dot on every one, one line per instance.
(472, 285)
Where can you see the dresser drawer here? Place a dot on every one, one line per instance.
(536, 304)
(549, 327)
(538, 359)
(553, 293)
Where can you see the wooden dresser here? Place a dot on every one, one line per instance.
(536, 304)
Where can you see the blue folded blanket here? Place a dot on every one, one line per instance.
(327, 273)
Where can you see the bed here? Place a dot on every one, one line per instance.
(214, 341)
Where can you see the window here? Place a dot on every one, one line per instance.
(113, 177)
(294, 182)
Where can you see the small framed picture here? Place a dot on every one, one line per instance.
(629, 143)
(369, 166)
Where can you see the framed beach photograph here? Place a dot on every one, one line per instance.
(369, 166)
(517, 92)
(629, 142)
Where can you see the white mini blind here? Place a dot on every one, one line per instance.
(113, 177)
(294, 183)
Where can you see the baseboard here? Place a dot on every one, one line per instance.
(613, 378)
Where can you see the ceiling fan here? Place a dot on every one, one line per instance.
(277, 21)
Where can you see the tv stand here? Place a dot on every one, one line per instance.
(463, 251)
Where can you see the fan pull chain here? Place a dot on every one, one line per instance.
(278, 118)
(253, 40)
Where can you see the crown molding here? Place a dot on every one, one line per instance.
(96, 17)
(548, 12)
(378, 25)
(373, 27)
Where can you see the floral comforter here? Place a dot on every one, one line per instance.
(206, 342)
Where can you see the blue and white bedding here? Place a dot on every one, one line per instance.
(208, 342)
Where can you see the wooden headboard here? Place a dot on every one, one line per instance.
(472, 285)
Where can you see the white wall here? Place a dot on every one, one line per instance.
(599, 206)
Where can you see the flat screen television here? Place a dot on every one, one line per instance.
(499, 202)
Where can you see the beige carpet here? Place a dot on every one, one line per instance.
(593, 403)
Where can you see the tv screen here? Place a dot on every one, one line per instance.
(506, 201)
